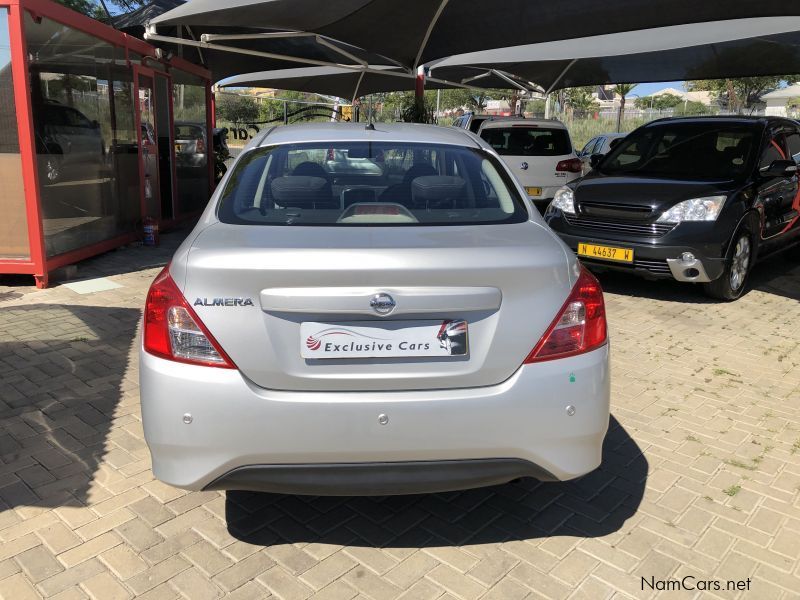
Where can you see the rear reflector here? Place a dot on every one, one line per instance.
(580, 325)
(571, 165)
(172, 330)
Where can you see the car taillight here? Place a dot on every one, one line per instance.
(580, 325)
(200, 146)
(571, 165)
(172, 330)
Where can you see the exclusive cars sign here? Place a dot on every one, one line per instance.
(359, 339)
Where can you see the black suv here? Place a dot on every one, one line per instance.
(694, 199)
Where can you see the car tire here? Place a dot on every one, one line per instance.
(741, 256)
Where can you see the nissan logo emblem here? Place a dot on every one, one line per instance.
(382, 304)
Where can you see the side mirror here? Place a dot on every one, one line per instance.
(613, 143)
(595, 159)
(779, 168)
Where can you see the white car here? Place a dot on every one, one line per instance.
(538, 151)
(415, 331)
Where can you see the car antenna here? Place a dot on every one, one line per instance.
(370, 127)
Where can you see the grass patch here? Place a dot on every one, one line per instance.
(719, 372)
(735, 462)
(732, 490)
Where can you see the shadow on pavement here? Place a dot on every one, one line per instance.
(595, 505)
(62, 372)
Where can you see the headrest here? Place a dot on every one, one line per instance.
(310, 169)
(418, 170)
(437, 187)
(298, 190)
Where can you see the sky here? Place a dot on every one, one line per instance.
(645, 89)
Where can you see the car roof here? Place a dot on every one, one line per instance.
(732, 119)
(357, 132)
(517, 122)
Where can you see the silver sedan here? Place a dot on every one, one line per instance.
(372, 310)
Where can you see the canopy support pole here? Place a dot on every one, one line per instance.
(358, 85)
(558, 79)
(508, 79)
(151, 34)
(419, 91)
(427, 36)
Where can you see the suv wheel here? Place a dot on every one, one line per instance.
(730, 285)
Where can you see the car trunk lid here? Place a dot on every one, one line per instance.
(255, 286)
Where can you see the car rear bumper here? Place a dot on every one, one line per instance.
(377, 478)
(240, 436)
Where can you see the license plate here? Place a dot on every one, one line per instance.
(605, 252)
(533, 191)
(365, 339)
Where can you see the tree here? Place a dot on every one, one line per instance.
(622, 90)
(691, 109)
(580, 99)
(739, 94)
(98, 9)
(660, 102)
(236, 108)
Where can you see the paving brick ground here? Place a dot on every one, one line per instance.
(701, 474)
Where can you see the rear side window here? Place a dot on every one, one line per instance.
(528, 141)
(793, 141)
(369, 184)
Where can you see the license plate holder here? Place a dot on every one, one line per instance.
(604, 252)
(440, 338)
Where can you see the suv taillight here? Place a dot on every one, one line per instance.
(172, 330)
(200, 146)
(580, 325)
(571, 165)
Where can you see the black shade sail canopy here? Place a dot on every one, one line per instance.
(348, 83)
(416, 32)
(765, 46)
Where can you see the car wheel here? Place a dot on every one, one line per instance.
(731, 284)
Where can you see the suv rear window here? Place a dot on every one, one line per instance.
(523, 140)
(360, 183)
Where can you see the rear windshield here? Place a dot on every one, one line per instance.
(361, 183)
(524, 140)
(188, 132)
(706, 151)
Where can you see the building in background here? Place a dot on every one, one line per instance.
(779, 103)
(88, 143)
(703, 97)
